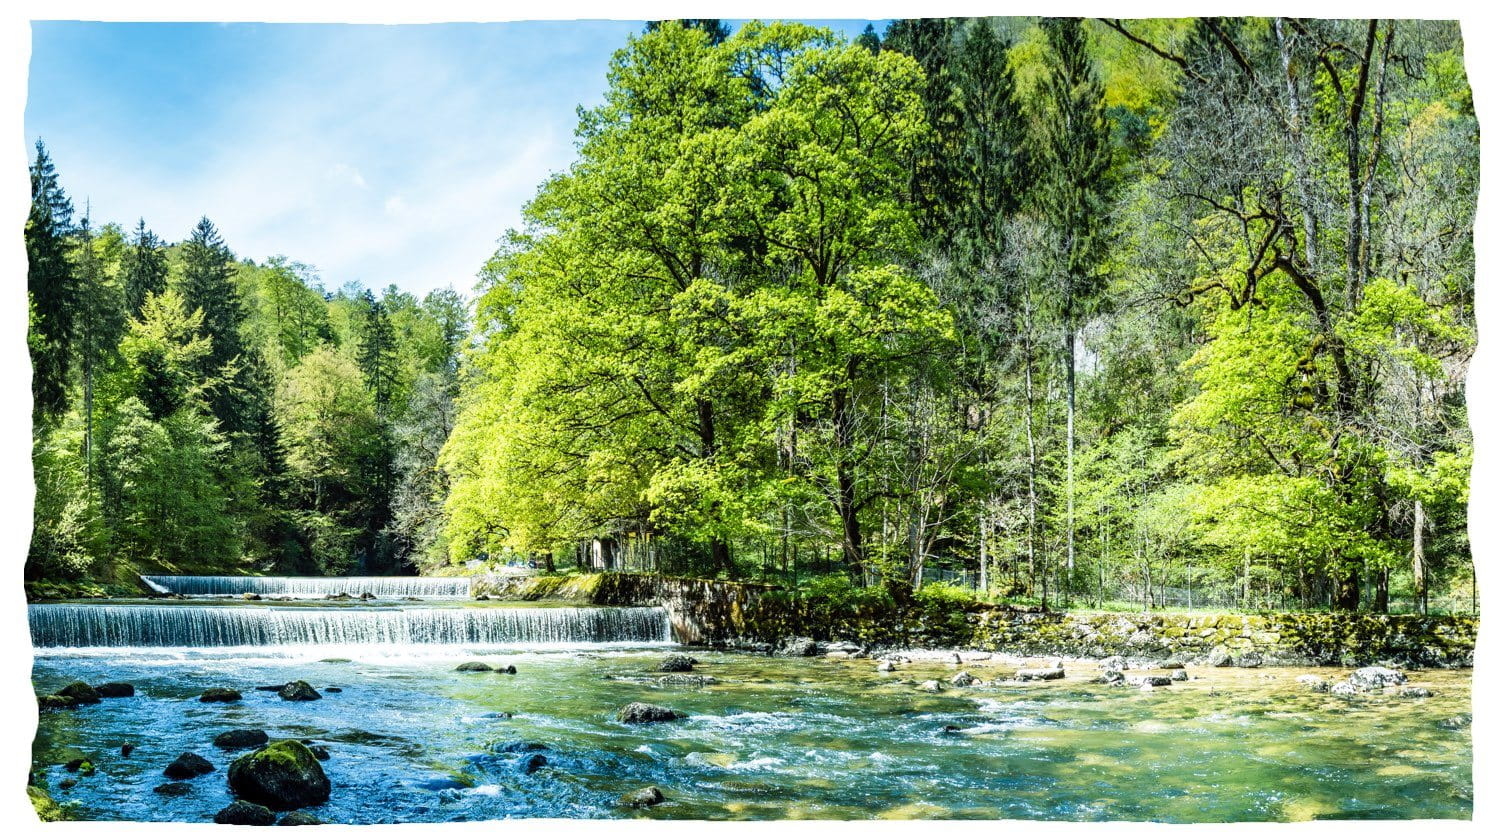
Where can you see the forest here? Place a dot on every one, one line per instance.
(1164, 313)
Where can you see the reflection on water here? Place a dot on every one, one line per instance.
(410, 739)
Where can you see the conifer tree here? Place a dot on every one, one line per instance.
(145, 268)
(52, 286)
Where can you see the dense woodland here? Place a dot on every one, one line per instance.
(1073, 311)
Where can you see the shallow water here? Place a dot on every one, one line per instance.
(411, 740)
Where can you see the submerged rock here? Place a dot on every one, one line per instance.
(1414, 691)
(126, 749)
(299, 818)
(677, 663)
(55, 701)
(319, 751)
(240, 739)
(173, 789)
(520, 746)
(646, 713)
(187, 766)
(115, 689)
(534, 762)
(282, 775)
(963, 679)
(219, 695)
(643, 798)
(695, 680)
(240, 812)
(473, 667)
(299, 690)
(333, 689)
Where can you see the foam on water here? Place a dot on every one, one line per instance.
(183, 626)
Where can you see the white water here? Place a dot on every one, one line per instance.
(311, 587)
(181, 626)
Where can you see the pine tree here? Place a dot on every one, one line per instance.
(377, 353)
(52, 286)
(145, 268)
(208, 285)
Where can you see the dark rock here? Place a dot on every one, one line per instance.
(249, 596)
(643, 798)
(319, 751)
(78, 764)
(1462, 720)
(535, 762)
(677, 663)
(474, 667)
(1033, 674)
(1111, 677)
(219, 695)
(333, 689)
(79, 692)
(1153, 681)
(336, 660)
(115, 689)
(366, 596)
(173, 788)
(508, 669)
(67, 784)
(188, 765)
(646, 713)
(520, 746)
(126, 749)
(299, 818)
(299, 690)
(240, 812)
(282, 775)
(240, 739)
(696, 680)
(1249, 659)
(55, 701)
(277, 687)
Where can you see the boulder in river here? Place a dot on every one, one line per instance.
(1219, 657)
(299, 818)
(534, 762)
(474, 667)
(55, 701)
(1313, 682)
(187, 766)
(643, 798)
(1414, 691)
(1344, 689)
(1112, 663)
(1034, 674)
(1249, 659)
(238, 739)
(693, 680)
(79, 692)
(798, 646)
(219, 695)
(1111, 677)
(240, 812)
(115, 689)
(1153, 680)
(126, 749)
(319, 751)
(1376, 677)
(646, 713)
(886, 666)
(930, 686)
(963, 679)
(282, 775)
(299, 690)
(173, 789)
(677, 663)
(1180, 675)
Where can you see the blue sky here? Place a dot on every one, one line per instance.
(378, 154)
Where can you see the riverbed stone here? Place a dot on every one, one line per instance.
(1180, 675)
(241, 739)
(299, 690)
(643, 798)
(677, 663)
(1313, 682)
(692, 680)
(299, 818)
(115, 689)
(1112, 663)
(474, 667)
(319, 751)
(219, 695)
(1248, 659)
(1219, 657)
(1110, 677)
(1153, 680)
(534, 762)
(931, 686)
(1036, 674)
(173, 789)
(886, 666)
(1344, 689)
(126, 749)
(240, 812)
(798, 646)
(187, 766)
(55, 701)
(963, 679)
(646, 713)
(1414, 691)
(282, 775)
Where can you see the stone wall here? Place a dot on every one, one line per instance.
(723, 614)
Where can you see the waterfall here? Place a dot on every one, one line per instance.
(311, 587)
(153, 625)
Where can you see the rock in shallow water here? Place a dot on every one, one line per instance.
(1313, 682)
(798, 646)
(473, 667)
(299, 690)
(79, 692)
(281, 775)
(677, 663)
(299, 818)
(173, 789)
(240, 812)
(1375, 677)
(219, 695)
(1034, 674)
(963, 679)
(643, 798)
(646, 713)
(187, 766)
(115, 689)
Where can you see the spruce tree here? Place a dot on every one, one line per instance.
(208, 285)
(52, 286)
(377, 353)
(145, 268)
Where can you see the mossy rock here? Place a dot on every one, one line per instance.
(283, 775)
(79, 692)
(47, 809)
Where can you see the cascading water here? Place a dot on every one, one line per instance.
(153, 625)
(311, 587)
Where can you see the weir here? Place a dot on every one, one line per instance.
(152, 625)
(310, 587)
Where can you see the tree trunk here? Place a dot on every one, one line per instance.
(1072, 390)
(1346, 591)
(1419, 558)
(1383, 591)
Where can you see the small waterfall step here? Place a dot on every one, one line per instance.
(187, 626)
(311, 587)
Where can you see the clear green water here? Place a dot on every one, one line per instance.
(411, 740)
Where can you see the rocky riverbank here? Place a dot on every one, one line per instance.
(764, 618)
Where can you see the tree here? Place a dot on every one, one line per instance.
(377, 354)
(52, 287)
(144, 269)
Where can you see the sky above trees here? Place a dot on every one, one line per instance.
(378, 154)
